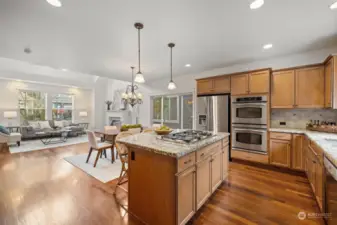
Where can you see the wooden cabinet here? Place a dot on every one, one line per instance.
(203, 187)
(186, 196)
(328, 71)
(297, 152)
(239, 84)
(215, 85)
(250, 83)
(216, 170)
(314, 169)
(309, 89)
(279, 154)
(283, 89)
(259, 82)
(205, 86)
(225, 159)
(300, 88)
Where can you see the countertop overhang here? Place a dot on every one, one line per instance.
(150, 142)
(320, 138)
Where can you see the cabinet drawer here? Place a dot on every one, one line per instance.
(210, 149)
(186, 162)
(237, 154)
(282, 136)
(225, 142)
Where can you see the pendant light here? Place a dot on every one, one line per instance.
(139, 76)
(171, 85)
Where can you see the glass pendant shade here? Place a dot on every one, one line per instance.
(171, 85)
(139, 78)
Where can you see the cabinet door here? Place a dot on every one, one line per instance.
(328, 90)
(283, 89)
(280, 152)
(225, 162)
(239, 84)
(309, 88)
(319, 183)
(186, 195)
(259, 82)
(205, 86)
(203, 172)
(297, 152)
(222, 85)
(216, 170)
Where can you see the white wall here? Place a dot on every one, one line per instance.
(9, 98)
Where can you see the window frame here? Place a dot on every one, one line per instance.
(162, 120)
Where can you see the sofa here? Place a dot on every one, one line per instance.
(33, 129)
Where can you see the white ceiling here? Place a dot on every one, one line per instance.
(98, 37)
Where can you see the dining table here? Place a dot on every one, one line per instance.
(109, 136)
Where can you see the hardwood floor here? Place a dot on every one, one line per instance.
(40, 188)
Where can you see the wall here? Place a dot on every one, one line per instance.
(9, 98)
(298, 118)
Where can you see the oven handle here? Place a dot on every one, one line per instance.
(255, 131)
(249, 104)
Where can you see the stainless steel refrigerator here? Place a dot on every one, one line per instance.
(213, 113)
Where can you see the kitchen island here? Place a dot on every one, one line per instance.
(170, 181)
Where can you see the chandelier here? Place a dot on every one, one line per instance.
(130, 96)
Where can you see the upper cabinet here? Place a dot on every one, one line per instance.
(283, 89)
(300, 88)
(309, 90)
(214, 85)
(330, 71)
(250, 83)
(239, 84)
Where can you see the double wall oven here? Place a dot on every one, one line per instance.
(249, 122)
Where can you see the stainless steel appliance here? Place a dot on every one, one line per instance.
(187, 136)
(213, 113)
(249, 139)
(249, 122)
(250, 110)
(330, 192)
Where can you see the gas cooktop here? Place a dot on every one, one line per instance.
(187, 136)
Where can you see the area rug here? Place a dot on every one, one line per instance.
(104, 171)
(36, 144)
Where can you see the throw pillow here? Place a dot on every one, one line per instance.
(34, 124)
(44, 125)
(58, 124)
(4, 130)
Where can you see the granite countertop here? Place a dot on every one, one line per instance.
(320, 138)
(151, 142)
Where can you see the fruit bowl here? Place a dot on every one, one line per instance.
(163, 132)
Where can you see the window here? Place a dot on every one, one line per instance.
(165, 109)
(62, 107)
(32, 105)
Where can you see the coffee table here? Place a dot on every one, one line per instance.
(53, 136)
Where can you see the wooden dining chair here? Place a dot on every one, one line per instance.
(122, 151)
(99, 147)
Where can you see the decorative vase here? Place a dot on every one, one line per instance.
(108, 107)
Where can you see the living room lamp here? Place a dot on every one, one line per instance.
(10, 115)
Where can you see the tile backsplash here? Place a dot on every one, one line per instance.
(298, 118)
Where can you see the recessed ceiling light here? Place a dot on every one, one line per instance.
(333, 5)
(56, 3)
(64, 70)
(267, 46)
(188, 65)
(256, 4)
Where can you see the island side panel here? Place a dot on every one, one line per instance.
(152, 187)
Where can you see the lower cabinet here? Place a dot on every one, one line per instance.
(224, 165)
(297, 155)
(216, 170)
(186, 195)
(280, 152)
(203, 172)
